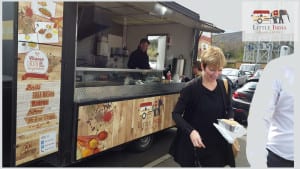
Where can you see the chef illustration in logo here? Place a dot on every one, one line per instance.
(277, 16)
(36, 65)
(267, 16)
(156, 107)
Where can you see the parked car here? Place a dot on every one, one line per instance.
(251, 67)
(256, 76)
(241, 100)
(249, 74)
(237, 77)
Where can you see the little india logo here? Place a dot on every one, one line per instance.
(270, 20)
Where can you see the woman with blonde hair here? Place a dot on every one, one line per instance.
(201, 103)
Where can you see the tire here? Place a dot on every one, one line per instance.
(142, 144)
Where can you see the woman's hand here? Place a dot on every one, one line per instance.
(196, 139)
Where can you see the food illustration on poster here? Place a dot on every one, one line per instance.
(44, 8)
(46, 32)
(95, 129)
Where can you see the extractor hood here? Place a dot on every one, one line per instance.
(91, 20)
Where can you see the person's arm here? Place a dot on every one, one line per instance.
(180, 107)
(260, 113)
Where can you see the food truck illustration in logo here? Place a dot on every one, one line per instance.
(267, 16)
(146, 110)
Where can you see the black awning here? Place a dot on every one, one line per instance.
(208, 27)
(190, 18)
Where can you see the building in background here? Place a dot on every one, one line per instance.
(265, 51)
(204, 43)
(232, 46)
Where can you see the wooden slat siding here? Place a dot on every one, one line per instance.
(32, 124)
(126, 122)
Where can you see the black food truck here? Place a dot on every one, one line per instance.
(67, 92)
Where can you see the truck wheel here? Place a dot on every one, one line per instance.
(142, 144)
(259, 20)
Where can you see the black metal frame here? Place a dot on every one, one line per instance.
(67, 113)
(10, 94)
(196, 44)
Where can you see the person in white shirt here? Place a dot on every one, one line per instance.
(270, 132)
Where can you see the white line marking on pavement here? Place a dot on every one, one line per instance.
(159, 160)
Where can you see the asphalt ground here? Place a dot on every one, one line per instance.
(167, 160)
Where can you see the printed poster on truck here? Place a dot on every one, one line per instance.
(106, 125)
(38, 79)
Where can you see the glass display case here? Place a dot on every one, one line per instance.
(107, 84)
(96, 77)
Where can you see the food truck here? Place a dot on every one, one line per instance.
(67, 92)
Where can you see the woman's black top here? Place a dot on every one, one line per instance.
(198, 108)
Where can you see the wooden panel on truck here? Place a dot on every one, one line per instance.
(106, 125)
(38, 79)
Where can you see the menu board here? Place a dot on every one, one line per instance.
(106, 125)
(40, 26)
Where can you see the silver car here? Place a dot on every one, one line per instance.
(237, 77)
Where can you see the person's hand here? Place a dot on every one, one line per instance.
(196, 139)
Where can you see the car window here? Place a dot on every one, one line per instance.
(250, 85)
(249, 67)
(230, 72)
